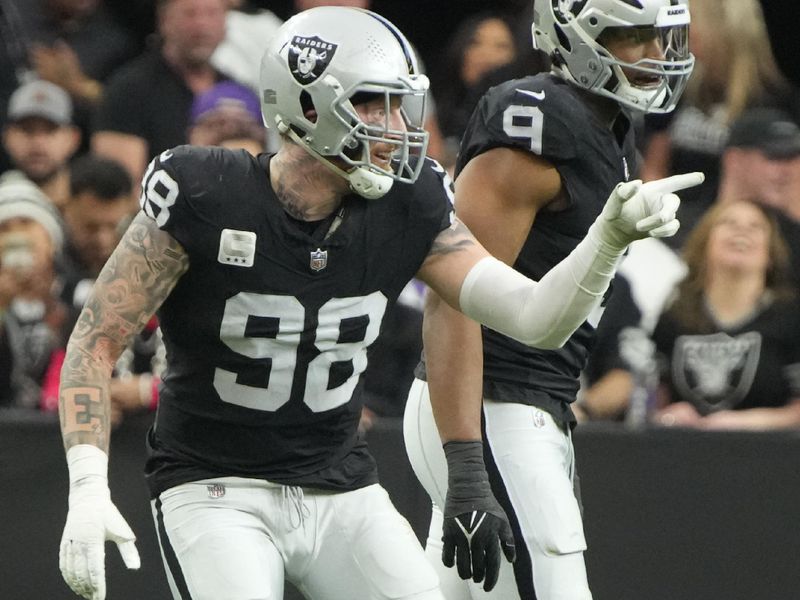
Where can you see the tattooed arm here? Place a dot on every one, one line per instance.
(137, 278)
(134, 282)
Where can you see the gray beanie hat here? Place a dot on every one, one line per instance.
(21, 198)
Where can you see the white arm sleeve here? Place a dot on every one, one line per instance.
(543, 314)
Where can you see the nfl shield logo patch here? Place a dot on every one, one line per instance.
(216, 490)
(319, 259)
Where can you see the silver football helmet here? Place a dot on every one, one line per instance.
(322, 59)
(572, 33)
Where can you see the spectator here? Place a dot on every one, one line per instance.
(735, 70)
(133, 387)
(97, 211)
(32, 318)
(762, 163)
(75, 44)
(480, 44)
(228, 115)
(620, 368)
(13, 65)
(756, 164)
(146, 104)
(729, 338)
(40, 138)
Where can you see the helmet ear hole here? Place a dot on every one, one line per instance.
(307, 105)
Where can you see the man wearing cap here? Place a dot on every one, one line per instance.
(228, 115)
(40, 138)
(761, 162)
(759, 158)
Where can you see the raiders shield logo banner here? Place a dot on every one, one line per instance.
(715, 371)
(309, 57)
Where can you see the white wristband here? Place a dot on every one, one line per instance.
(86, 461)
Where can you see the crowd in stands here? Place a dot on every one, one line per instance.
(701, 331)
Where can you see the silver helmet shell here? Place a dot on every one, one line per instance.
(569, 32)
(315, 65)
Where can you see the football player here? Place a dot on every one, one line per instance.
(271, 276)
(537, 162)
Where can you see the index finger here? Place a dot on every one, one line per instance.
(676, 182)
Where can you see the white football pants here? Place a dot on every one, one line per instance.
(236, 539)
(532, 476)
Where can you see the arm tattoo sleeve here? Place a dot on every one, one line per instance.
(135, 281)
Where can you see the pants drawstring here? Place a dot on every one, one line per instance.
(296, 508)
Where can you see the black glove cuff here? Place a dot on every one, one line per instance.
(468, 486)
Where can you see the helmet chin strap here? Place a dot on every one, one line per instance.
(368, 184)
(362, 181)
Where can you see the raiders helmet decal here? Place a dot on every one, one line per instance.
(309, 57)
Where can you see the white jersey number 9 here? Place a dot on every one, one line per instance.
(524, 122)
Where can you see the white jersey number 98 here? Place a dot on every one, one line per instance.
(282, 349)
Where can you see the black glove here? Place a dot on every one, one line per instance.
(475, 526)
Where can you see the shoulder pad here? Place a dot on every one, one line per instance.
(430, 197)
(185, 180)
(536, 114)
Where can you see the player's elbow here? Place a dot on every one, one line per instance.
(548, 343)
(553, 343)
(551, 339)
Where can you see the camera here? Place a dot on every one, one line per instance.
(16, 252)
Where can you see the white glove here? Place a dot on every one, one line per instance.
(92, 519)
(636, 210)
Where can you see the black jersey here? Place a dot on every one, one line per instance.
(753, 364)
(267, 332)
(544, 115)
